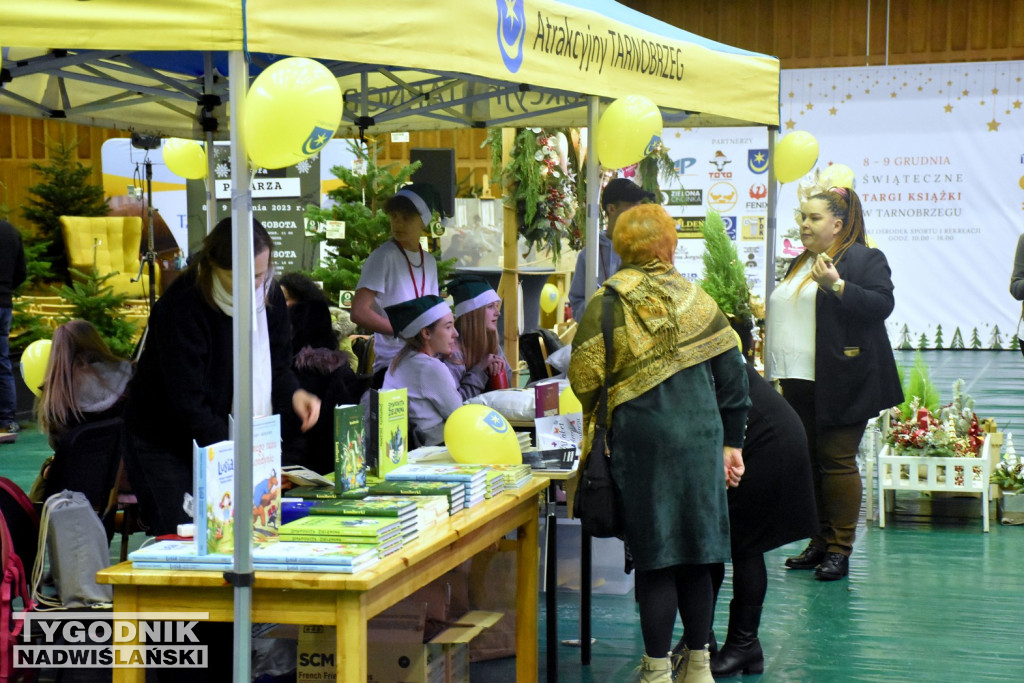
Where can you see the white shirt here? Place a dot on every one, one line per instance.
(789, 343)
(386, 272)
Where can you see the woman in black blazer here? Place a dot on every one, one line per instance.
(828, 347)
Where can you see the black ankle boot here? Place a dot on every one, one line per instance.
(742, 650)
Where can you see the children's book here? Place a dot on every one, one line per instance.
(213, 476)
(559, 431)
(266, 476)
(372, 529)
(439, 472)
(293, 552)
(366, 508)
(455, 492)
(388, 439)
(312, 492)
(173, 551)
(265, 567)
(545, 398)
(349, 448)
(303, 476)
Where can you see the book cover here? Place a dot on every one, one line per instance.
(303, 476)
(368, 527)
(173, 551)
(312, 492)
(455, 492)
(293, 552)
(265, 567)
(365, 508)
(545, 398)
(389, 425)
(559, 431)
(214, 485)
(349, 448)
(439, 472)
(266, 481)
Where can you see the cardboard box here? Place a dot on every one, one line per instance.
(396, 652)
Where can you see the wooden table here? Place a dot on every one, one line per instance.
(348, 601)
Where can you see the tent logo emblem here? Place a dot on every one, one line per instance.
(511, 32)
(652, 146)
(316, 140)
(757, 160)
(496, 422)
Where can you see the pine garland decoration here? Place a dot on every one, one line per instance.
(725, 279)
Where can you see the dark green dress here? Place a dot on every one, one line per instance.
(666, 449)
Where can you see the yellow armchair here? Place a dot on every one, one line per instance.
(112, 244)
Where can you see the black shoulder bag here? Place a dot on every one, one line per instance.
(596, 503)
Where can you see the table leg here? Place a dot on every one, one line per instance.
(350, 637)
(551, 582)
(527, 558)
(585, 588)
(126, 599)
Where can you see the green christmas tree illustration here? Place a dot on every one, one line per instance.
(922, 343)
(996, 341)
(905, 339)
(1014, 345)
(938, 336)
(975, 341)
(958, 340)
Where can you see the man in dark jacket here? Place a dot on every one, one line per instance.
(12, 274)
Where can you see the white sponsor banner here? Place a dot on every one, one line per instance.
(938, 156)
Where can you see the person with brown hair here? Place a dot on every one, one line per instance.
(677, 409)
(476, 357)
(184, 384)
(828, 348)
(84, 382)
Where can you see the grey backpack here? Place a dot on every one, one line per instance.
(72, 537)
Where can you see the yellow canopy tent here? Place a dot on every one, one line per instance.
(172, 69)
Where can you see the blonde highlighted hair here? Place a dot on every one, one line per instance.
(645, 233)
(844, 204)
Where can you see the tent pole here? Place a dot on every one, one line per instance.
(770, 228)
(211, 158)
(590, 250)
(242, 300)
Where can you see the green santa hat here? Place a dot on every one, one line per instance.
(470, 292)
(409, 317)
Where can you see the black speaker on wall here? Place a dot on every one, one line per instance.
(438, 169)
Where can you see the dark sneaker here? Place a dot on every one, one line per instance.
(833, 567)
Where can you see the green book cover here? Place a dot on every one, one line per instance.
(389, 416)
(365, 508)
(313, 492)
(454, 491)
(349, 448)
(367, 527)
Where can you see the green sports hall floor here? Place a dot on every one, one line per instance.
(929, 598)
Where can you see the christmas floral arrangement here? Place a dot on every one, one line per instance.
(542, 184)
(951, 432)
(1009, 473)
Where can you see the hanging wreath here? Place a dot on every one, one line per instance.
(542, 185)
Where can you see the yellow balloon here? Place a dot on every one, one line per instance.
(33, 364)
(568, 403)
(795, 155)
(291, 111)
(476, 434)
(629, 130)
(549, 298)
(186, 158)
(837, 175)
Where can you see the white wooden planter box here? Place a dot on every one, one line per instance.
(920, 473)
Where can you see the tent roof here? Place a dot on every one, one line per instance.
(443, 64)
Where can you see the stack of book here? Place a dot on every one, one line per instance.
(430, 510)
(525, 441)
(515, 476)
(495, 483)
(455, 492)
(401, 509)
(343, 558)
(383, 532)
(473, 476)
